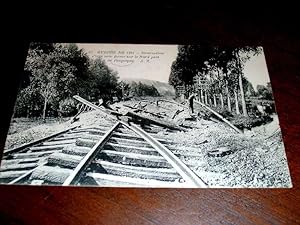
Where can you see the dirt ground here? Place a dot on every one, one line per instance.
(23, 131)
(254, 160)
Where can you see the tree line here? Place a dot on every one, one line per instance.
(137, 89)
(220, 69)
(53, 73)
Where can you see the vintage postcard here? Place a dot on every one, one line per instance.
(135, 115)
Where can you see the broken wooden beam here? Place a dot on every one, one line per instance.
(173, 102)
(177, 112)
(209, 109)
(75, 118)
(163, 123)
(143, 110)
(132, 114)
(219, 152)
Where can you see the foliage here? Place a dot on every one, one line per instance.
(104, 81)
(221, 68)
(51, 74)
(218, 63)
(223, 112)
(241, 121)
(264, 92)
(54, 73)
(123, 91)
(29, 103)
(140, 89)
(248, 88)
(67, 107)
(42, 48)
(79, 59)
(191, 60)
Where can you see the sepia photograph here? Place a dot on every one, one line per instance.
(144, 115)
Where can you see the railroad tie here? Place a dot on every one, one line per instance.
(76, 150)
(120, 181)
(22, 166)
(50, 174)
(131, 149)
(64, 160)
(164, 174)
(134, 159)
(85, 142)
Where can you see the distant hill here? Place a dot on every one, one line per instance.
(163, 88)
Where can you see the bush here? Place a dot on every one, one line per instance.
(241, 121)
(67, 107)
(223, 112)
(28, 104)
(140, 89)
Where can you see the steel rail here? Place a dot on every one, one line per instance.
(187, 174)
(220, 116)
(26, 145)
(108, 111)
(26, 175)
(75, 175)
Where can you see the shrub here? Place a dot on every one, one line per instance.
(241, 121)
(67, 107)
(223, 112)
(140, 89)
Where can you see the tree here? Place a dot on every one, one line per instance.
(28, 103)
(248, 88)
(79, 59)
(222, 59)
(104, 81)
(227, 64)
(234, 88)
(42, 48)
(176, 75)
(55, 73)
(140, 89)
(264, 92)
(242, 55)
(191, 60)
(51, 74)
(123, 90)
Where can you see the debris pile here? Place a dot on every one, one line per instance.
(213, 148)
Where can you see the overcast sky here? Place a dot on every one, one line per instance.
(154, 61)
(256, 70)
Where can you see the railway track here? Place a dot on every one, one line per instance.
(120, 154)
